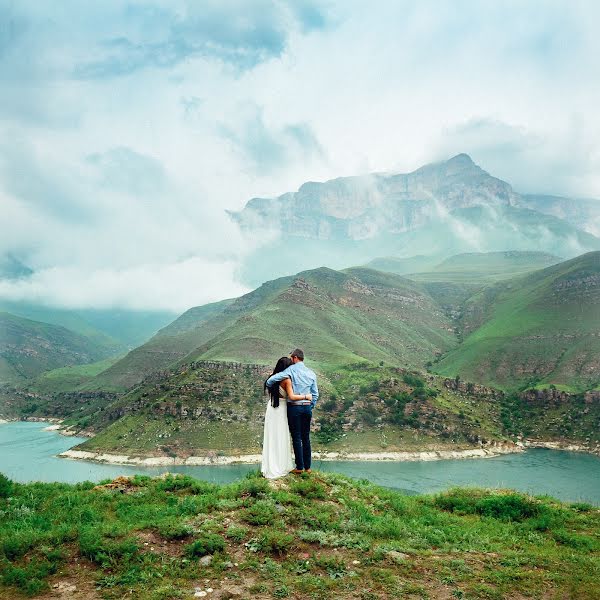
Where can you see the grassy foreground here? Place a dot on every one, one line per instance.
(320, 536)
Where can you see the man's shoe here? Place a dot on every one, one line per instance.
(297, 471)
(307, 471)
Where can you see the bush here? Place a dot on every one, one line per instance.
(308, 488)
(105, 551)
(275, 542)
(413, 381)
(207, 543)
(574, 540)
(236, 533)
(253, 487)
(261, 512)
(172, 529)
(6, 486)
(504, 507)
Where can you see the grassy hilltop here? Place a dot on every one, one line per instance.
(318, 537)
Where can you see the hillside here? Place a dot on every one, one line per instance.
(485, 267)
(116, 329)
(540, 329)
(29, 348)
(343, 317)
(208, 407)
(211, 408)
(171, 343)
(323, 536)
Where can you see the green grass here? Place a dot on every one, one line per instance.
(539, 329)
(316, 537)
(72, 377)
(29, 348)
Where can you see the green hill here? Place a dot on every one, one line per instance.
(486, 267)
(403, 266)
(539, 329)
(116, 329)
(454, 280)
(192, 328)
(343, 317)
(29, 348)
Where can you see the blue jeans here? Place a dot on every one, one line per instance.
(299, 418)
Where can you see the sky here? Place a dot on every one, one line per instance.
(127, 129)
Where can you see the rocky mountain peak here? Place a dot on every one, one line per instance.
(364, 207)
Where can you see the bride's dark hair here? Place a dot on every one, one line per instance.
(282, 364)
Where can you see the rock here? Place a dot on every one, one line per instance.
(228, 564)
(206, 560)
(200, 594)
(231, 593)
(397, 556)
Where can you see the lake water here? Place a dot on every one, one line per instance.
(28, 453)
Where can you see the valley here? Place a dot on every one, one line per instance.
(415, 352)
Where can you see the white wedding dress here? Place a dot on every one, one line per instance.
(277, 447)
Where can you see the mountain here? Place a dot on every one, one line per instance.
(29, 348)
(441, 209)
(343, 317)
(403, 266)
(116, 329)
(583, 213)
(361, 207)
(540, 329)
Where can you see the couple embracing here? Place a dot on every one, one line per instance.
(293, 393)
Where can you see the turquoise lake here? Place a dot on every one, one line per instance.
(28, 453)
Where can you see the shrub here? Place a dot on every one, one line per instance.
(308, 488)
(261, 512)
(413, 381)
(172, 529)
(6, 486)
(105, 552)
(253, 487)
(236, 533)
(17, 545)
(505, 507)
(275, 542)
(207, 543)
(574, 540)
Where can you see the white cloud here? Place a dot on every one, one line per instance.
(129, 128)
(174, 286)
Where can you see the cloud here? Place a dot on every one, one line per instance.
(271, 149)
(175, 286)
(129, 128)
(239, 33)
(551, 161)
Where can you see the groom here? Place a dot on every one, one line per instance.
(299, 412)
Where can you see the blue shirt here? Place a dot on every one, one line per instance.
(304, 381)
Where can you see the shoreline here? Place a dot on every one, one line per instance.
(212, 458)
(412, 456)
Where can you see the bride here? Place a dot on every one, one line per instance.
(277, 448)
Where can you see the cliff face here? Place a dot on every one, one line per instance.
(366, 206)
